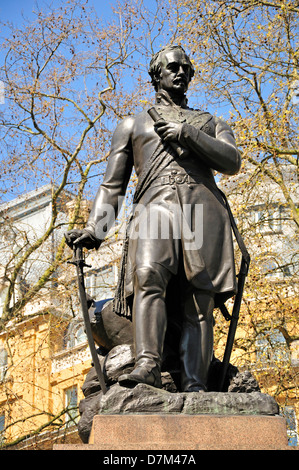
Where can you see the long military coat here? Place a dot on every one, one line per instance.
(179, 183)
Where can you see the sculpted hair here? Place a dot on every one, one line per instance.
(155, 64)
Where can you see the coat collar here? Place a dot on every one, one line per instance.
(163, 98)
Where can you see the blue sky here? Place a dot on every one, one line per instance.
(17, 12)
(11, 10)
(14, 11)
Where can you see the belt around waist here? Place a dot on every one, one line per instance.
(178, 178)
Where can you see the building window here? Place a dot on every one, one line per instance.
(3, 293)
(71, 403)
(295, 264)
(80, 335)
(75, 334)
(289, 414)
(2, 429)
(270, 268)
(268, 219)
(3, 364)
(271, 348)
(100, 284)
(295, 353)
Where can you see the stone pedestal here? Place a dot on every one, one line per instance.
(171, 432)
(145, 418)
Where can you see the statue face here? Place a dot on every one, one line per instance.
(175, 72)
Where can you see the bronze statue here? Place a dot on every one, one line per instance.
(174, 158)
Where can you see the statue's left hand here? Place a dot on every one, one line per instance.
(168, 131)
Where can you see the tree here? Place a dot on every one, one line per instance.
(60, 74)
(247, 58)
(246, 54)
(68, 77)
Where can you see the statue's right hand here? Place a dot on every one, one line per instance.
(81, 237)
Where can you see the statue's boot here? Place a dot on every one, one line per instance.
(196, 347)
(149, 325)
(142, 374)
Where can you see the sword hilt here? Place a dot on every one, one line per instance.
(78, 257)
(79, 261)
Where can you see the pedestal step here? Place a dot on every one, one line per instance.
(185, 432)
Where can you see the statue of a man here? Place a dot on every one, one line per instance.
(204, 270)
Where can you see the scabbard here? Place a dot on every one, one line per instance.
(233, 323)
(84, 306)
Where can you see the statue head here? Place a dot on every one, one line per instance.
(162, 59)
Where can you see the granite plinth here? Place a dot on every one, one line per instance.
(184, 432)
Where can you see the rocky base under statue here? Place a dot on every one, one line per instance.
(243, 395)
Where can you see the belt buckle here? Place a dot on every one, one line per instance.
(180, 179)
(175, 179)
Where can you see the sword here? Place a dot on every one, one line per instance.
(234, 317)
(79, 262)
(233, 322)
